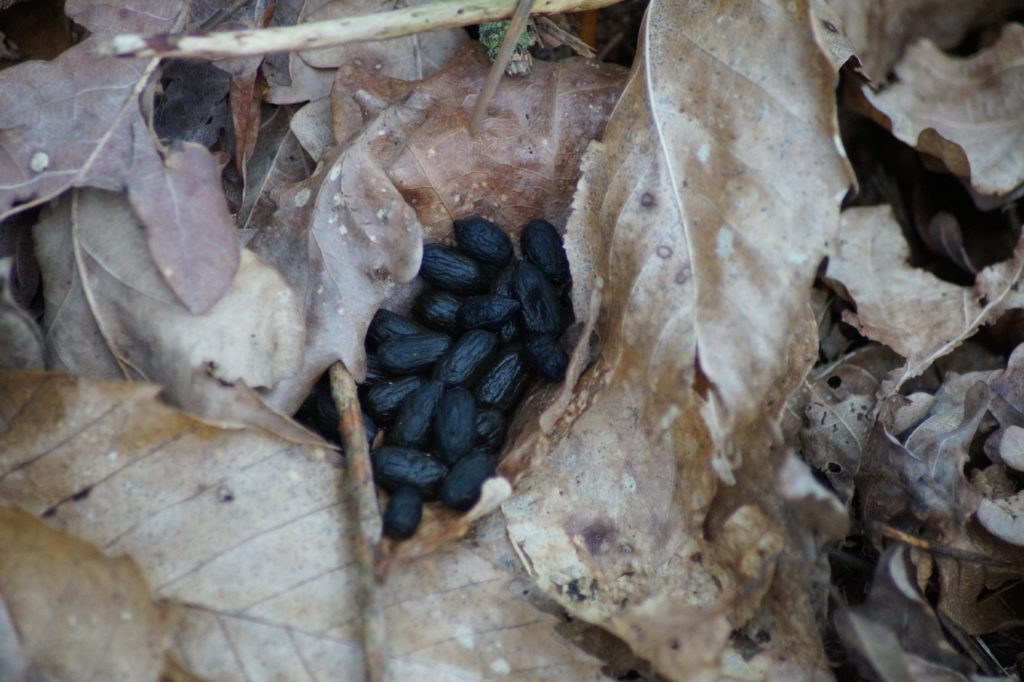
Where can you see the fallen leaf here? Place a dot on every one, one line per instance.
(109, 313)
(247, 538)
(880, 31)
(412, 57)
(704, 212)
(77, 614)
(912, 311)
(962, 111)
(349, 236)
(76, 121)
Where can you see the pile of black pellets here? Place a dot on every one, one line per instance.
(442, 385)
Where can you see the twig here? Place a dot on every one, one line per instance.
(364, 502)
(508, 45)
(323, 34)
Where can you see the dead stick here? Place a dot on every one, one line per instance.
(515, 29)
(363, 500)
(323, 34)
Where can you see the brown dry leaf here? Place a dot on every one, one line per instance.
(248, 537)
(21, 343)
(76, 121)
(896, 632)
(108, 312)
(277, 162)
(912, 311)
(76, 614)
(703, 215)
(525, 161)
(920, 471)
(412, 57)
(963, 111)
(347, 237)
(880, 30)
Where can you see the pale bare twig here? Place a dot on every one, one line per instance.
(508, 45)
(323, 34)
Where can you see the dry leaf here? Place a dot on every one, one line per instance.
(77, 614)
(76, 121)
(108, 312)
(310, 74)
(277, 162)
(962, 111)
(895, 632)
(704, 212)
(525, 162)
(350, 235)
(412, 57)
(248, 537)
(912, 311)
(879, 30)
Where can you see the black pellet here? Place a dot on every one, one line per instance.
(467, 358)
(511, 331)
(546, 357)
(501, 386)
(502, 283)
(542, 245)
(450, 269)
(483, 240)
(403, 513)
(374, 372)
(487, 312)
(541, 313)
(395, 466)
(381, 400)
(437, 310)
(415, 414)
(490, 430)
(413, 353)
(318, 411)
(461, 487)
(371, 429)
(455, 424)
(387, 325)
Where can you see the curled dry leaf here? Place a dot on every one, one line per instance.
(703, 213)
(879, 30)
(963, 111)
(109, 313)
(76, 121)
(347, 237)
(895, 632)
(912, 311)
(249, 539)
(76, 614)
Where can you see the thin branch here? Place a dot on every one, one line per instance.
(335, 32)
(508, 45)
(363, 502)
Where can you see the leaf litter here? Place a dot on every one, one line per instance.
(790, 442)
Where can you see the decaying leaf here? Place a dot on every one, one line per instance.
(896, 632)
(880, 30)
(76, 614)
(248, 538)
(347, 237)
(109, 313)
(76, 121)
(702, 217)
(910, 310)
(962, 111)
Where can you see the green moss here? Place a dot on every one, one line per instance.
(492, 33)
